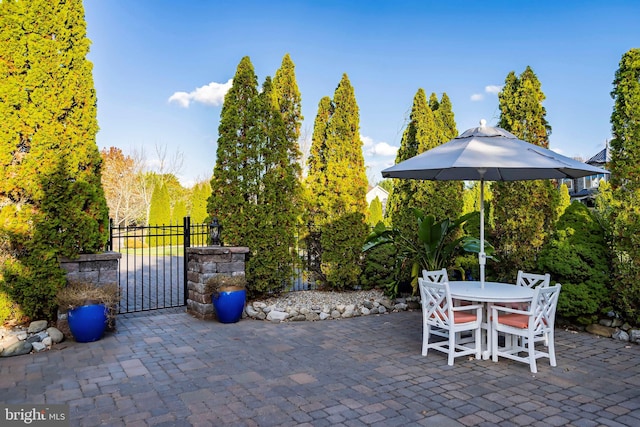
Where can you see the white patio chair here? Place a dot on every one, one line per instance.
(528, 327)
(437, 276)
(532, 280)
(438, 312)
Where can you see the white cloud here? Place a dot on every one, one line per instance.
(372, 148)
(383, 149)
(211, 94)
(494, 89)
(367, 142)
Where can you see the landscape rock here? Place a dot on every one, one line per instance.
(276, 316)
(21, 347)
(251, 311)
(603, 331)
(312, 316)
(34, 338)
(37, 326)
(620, 335)
(55, 334)
(38, 347)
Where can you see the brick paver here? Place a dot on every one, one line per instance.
(166, 368)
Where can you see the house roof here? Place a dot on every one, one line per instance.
(601, 158)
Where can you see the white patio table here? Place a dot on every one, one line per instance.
(492, 292)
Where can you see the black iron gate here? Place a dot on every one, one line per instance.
(152, 271)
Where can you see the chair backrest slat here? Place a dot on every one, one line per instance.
(532, 280)
(436, 276)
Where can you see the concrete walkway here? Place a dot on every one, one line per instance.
(167, 369)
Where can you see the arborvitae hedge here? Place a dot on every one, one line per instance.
(338, 185)
(625, 183)
(255, 184)
(48, 110)
(524, 211)
(375, 211)
(159, 213)
(431, 124)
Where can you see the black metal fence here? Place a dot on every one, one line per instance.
(152, 270)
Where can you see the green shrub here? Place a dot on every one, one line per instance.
(9, 310)
(379, 269)
(578, 258)
(32, 284)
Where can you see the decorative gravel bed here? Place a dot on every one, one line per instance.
(319, 305)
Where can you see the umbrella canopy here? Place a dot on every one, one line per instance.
(492, 154)
(489, 154)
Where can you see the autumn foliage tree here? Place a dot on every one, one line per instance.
(48, 110)
(121, 180)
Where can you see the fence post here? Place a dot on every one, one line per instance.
(110, 242)
(186, 221)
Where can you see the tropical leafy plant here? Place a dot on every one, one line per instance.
(435, 247)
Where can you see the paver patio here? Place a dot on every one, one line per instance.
(166, 368)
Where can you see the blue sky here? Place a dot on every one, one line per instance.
(161, 67)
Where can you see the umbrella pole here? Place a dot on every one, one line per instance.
(482, 258)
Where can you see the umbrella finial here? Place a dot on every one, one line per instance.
(483, 123)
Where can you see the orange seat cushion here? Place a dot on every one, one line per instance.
(515, 320)
(462, 317)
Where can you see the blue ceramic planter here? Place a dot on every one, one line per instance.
(88, 323)
(229, 305)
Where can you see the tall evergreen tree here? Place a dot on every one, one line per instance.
(200, 193)
(271, 266)
(338, 186)
(524, 211)
(234, 180)
(625, 183)
(375, 211)
(159, 212)
(448, 194)
(255, 186)
(48, 109)
(446, 119)
(440, 198)
(406, 194)
(289, 103)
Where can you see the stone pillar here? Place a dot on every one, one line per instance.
(100, 269)
(204, 263)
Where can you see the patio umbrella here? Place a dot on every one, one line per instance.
(489, 154)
